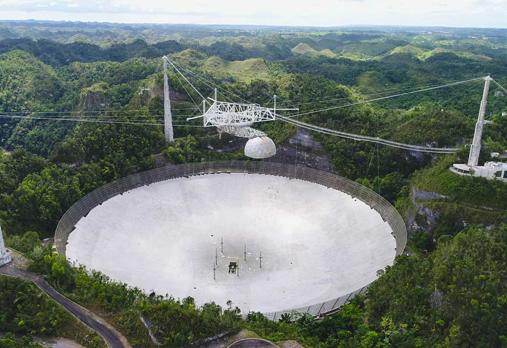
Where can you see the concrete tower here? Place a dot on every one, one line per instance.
(475, 149)
(5, 257)
(168, 117)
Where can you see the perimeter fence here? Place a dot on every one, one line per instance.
(95, 198)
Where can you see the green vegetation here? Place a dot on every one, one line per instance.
(186, 150)
(175, 323)
(474, 191)
(454, 297)
(450, 291)
(305, 49)
(35, 315)
(247, 70)
(460, 201)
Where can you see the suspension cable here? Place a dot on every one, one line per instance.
(323, 130)
(212, 84)
(499, 85)
(386, 97)
(90, 120)
(377, 140)
(184, 77)
(188, 93)
(388, 90)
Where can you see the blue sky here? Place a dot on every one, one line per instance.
(459, 13)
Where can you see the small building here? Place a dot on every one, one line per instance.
(233, 267)
(490, 170)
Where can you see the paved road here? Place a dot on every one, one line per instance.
(252, 343)
(112, 337)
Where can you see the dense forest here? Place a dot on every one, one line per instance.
(34, 315)
(80, 107)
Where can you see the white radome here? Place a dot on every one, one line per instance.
(260, 147)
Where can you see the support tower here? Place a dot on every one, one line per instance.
(475, 148)
(490, 170)
(5, 257)
(168, 117)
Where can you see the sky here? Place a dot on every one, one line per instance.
(451, 13)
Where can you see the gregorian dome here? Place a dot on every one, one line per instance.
(260, 147)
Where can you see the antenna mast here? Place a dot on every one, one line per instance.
(168, 117)
(475, 148)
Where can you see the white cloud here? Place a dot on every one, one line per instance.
(487, 13)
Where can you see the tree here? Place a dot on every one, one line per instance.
(41, 199)
(183, 150)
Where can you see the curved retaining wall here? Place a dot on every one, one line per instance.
(82, 207)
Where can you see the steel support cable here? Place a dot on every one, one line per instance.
(184, 77)
(377, 140)
(388, 90)
(286, 119)
(386, 97)
(89, 120)
(105, 119)
(423, 88)
(207, 82)
(341, 106)
(188, 93)
(499, 85)
(330, 99)
(365, 138)
(290, 120)
(121, 113)
(85, 120)
(105, 111)
(213, 85)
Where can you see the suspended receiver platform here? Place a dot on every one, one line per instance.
(236, 119)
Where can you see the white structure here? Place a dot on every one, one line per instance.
(475, 148)
(490, 170)
(223, 114)
(232, 118)
(168, 117)
(237, 119)
(5, 256)
(260, 147)
(167, 237)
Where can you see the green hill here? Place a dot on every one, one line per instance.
(423, 54)
(305, 49)
(245, 70)
(26, 83)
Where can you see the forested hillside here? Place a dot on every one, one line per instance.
(82, 107)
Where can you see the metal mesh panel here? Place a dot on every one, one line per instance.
(314, 309)
(328, 306)
(81, 208)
